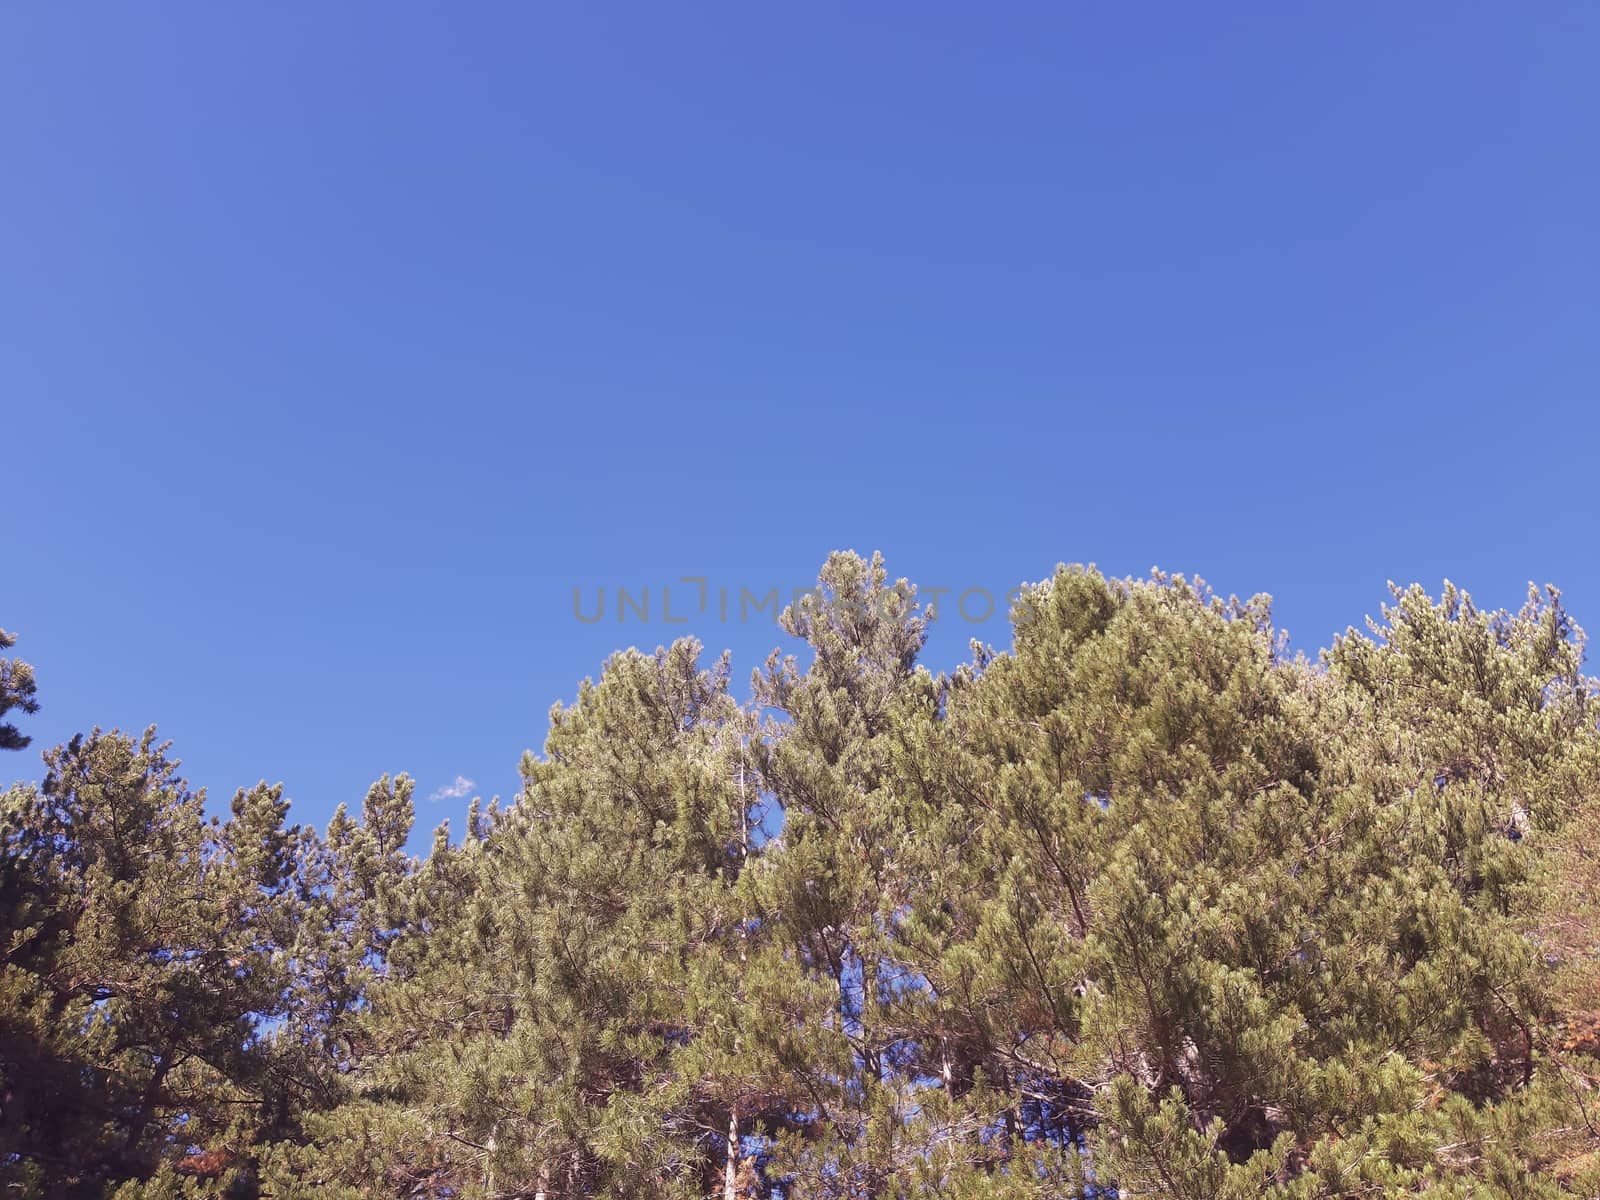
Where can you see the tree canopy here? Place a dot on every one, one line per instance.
(1143, 906)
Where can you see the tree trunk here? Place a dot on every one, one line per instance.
(730, 1172)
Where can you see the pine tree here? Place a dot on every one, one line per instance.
(1140, 906)
(831, 887)
(17, 691)
(140, 965)
(549, 956)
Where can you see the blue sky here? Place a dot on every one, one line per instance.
(340, 343)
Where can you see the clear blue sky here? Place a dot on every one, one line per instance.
(339, 343)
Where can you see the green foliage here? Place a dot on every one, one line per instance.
(1142, 907)
(17, 691)
(140, 953)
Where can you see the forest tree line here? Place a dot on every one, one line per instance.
(1144, 906)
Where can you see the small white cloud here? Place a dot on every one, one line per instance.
(454, 791)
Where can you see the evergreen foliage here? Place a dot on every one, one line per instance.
(1141, 907)
(17, 691)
